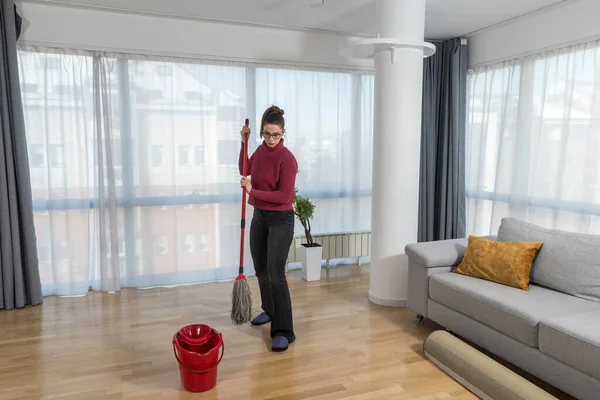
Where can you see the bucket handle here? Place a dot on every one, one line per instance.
(204, 370)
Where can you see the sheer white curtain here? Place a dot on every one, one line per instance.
(533, 142)
(73, 162)
(134, 162)
(329, 130)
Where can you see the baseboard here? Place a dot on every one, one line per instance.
(387, 302)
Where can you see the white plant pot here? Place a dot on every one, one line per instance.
(310, 258)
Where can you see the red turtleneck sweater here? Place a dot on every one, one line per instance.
(272, 172)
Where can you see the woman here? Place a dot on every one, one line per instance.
(272, 169)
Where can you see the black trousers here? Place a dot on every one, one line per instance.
(271, 235)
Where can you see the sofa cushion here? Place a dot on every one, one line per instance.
(513, 312)
(507, 263)
(567, 262)
(573, 339)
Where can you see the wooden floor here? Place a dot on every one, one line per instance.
(118, 346)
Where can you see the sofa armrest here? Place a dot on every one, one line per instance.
(418, 285)
(430, 258)
(439, 253)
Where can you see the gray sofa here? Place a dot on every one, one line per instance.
(551, 331)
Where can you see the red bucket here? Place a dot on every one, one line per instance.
(191, 336)
(198, 364)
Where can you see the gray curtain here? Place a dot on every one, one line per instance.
(442, 181)
(19, 274)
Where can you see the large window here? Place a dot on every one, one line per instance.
(533, 141)
(134, 162)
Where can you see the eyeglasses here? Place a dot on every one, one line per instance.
(271, 135)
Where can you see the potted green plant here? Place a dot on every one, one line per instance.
(311, 252)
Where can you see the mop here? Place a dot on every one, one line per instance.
(241, 308)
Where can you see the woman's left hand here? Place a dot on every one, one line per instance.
(245, 183)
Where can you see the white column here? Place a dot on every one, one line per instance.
(396, 149)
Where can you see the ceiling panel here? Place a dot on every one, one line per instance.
(445, 18)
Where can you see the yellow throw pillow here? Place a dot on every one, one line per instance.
(507, 263)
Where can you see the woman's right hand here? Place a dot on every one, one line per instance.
(245, 132)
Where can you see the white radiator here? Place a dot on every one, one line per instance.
(335, 245)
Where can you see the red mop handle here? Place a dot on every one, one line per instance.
(244, 193)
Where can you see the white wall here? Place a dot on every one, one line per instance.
(568, 23)
(131, 33)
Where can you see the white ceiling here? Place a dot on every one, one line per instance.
(445, 18)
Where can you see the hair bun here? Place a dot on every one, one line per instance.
(276, 110)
